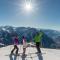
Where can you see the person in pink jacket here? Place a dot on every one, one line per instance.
(15, 41)
(24, 45)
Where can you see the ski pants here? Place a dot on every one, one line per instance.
(38, 47)
(15, 47)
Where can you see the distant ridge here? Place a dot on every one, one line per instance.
(50, 38)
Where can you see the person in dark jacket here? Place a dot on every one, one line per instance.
(15, 41)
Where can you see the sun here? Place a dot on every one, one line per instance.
(28, 6)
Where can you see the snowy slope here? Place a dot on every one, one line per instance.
(47, 54)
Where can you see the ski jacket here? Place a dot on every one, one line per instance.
(24, 43)
(16, 41)
(38, 38)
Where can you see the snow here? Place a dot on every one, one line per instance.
(1, 44)
(4, 29)
(47, 54)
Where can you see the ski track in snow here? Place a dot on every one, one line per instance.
(47, 54)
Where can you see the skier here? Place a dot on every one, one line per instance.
(37, 40)
(24, 45)
(15, 41)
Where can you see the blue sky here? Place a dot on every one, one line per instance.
(45, 14)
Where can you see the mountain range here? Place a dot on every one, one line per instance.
(51, 38)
